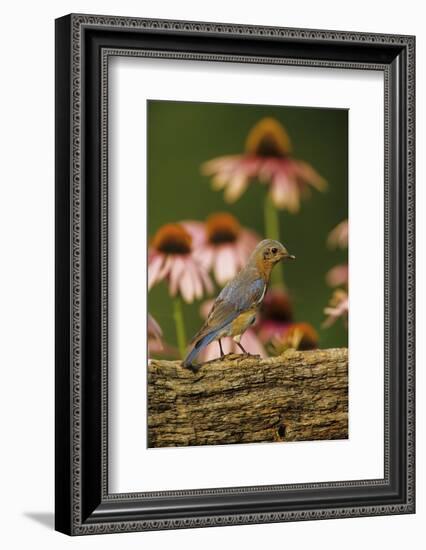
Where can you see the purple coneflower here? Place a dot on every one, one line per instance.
(268, 158)
(276, 315)
(170, 258)
(299, 336)
(222, 245)
(277, 328)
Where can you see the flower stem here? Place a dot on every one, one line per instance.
(272, 231)
(180, 326)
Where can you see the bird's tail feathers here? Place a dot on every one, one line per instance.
(198, 347)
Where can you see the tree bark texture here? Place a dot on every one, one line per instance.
(298, 396)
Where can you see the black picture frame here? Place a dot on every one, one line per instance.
(83, 46)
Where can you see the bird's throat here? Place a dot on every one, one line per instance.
(265, 269)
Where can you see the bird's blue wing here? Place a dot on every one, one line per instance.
(238, 296)
(235, 298)
(244, 292)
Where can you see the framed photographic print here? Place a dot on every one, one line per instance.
(217, 187)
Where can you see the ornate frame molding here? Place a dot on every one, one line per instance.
(73, 504)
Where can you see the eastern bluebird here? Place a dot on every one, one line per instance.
(234, 310)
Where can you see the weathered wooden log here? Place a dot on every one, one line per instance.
(297, 396)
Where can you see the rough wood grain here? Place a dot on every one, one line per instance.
(297, 396)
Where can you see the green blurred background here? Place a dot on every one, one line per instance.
(183, 135)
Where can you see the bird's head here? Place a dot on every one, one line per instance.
(268, 253)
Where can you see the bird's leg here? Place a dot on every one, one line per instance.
(221, 349)
(241, 348)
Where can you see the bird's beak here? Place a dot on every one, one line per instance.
(287, 256)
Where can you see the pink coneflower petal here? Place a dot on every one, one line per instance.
(197, 232)
(154, 329)
(154, 269)
(156, 344)
(220, 164)
(205, 256)
(304, 171)
(172, 258)
(224, 268)
(284, 193)
(220, 180)
(339, 236)
(185, 287)
(236, 187)
(338, 275)
(206, 281)
(338, 307)
(241, 251)
(165, 270)
(196, 281)
(175, 274)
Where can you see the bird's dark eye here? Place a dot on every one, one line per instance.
(274, 250)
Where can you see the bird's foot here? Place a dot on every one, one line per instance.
(192, 368)
(229, 356)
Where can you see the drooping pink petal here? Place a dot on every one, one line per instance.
(186, 286)
(248, 240)
(196, 279)
(339, 236)
(219, 164)
(241, 254)
(197, 230)
(155, 335)
(220, 180)
(154, 268)
(175, 274)
(154, 328)
(206, 281)
(284, 193)
(338, 307)
(236, 187)
(304, 171)
(225, 264)
(204, 256)
(165, 270)
(270, 168)
(338, 275)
